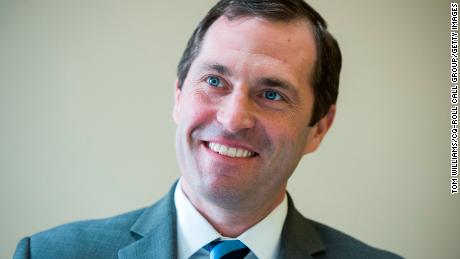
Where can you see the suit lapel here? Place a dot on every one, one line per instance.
(299, 238)
(155, 230)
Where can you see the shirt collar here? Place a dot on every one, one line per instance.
(264, 237)
(194, 231)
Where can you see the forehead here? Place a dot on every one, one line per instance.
(286, 46)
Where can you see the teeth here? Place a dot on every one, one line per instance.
(229, 151)
(239, 153)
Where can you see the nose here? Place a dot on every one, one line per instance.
(235, 112)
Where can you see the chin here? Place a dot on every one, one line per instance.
(226, 191)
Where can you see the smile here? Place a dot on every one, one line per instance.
(230, 151)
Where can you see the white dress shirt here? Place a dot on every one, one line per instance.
(194, 231)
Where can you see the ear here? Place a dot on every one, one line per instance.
(319, 130)
(177, 92)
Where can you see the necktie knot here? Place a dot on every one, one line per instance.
(227, 249)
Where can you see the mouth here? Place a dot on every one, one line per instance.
(229, 151)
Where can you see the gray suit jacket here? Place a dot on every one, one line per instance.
(151, 233)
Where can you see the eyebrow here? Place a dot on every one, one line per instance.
(219, 68)
(277, 83)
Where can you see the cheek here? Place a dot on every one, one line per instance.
(288, 134)
(193, 111)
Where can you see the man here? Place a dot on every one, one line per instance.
(256, 90)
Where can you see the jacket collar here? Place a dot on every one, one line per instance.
(299, 238)
(155, 230)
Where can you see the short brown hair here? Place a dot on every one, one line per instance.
(328, 63)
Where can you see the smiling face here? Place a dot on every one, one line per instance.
(243, 111)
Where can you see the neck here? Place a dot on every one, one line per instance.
(232, 221)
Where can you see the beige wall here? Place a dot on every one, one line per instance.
(86, 132)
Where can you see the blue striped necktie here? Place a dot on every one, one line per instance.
(227, 249)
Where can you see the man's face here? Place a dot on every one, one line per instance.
(243, 112)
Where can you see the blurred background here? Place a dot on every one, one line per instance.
(86, 130)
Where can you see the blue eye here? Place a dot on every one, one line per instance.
(214, 81)
(272, 95)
